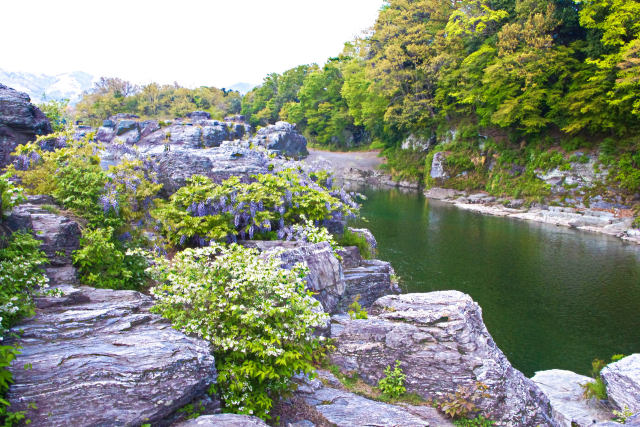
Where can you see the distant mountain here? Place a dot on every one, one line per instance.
(59, 86)
(242, 87)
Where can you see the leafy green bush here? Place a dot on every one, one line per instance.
(102, 262)
(350, 238)
(56, 113)
(257, 316)
(464, 401)
(478, 421)
(392, 384)
(356, 311)
(21, 278)
(10, 195)
(265, 209)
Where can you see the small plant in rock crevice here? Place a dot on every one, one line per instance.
(596, 388)
(464, 402)
(392, 384)
(356, 311)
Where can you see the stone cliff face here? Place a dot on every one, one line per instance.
(20, 122)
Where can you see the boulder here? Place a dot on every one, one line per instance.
(325, 277)
(223, 420)
(124, 126)
(417, 143)
(106, 133)
(176, 165)
(98, 357)
(568, 405)
(344, 409)
(236, 118)
(282, 138)
(443, 347)
(147, 127)
(214, 133)
(20, 122)
(622, 379)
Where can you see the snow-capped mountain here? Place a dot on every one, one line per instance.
(42, 86)
(242, 87)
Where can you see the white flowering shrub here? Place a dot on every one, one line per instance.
(258, 317)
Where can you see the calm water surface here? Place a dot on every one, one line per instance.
(551, 297)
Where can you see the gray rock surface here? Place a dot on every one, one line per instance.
(282, 138)
(344, 409)
(622, 379)
(569, 407)
(442, 344)
(368, 281)
(175, 166)
(325, 277)
(438, 169)
(99, 357)
(223, 420)
(59, 234)
(20, 122)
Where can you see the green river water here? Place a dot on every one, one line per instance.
(551, 297)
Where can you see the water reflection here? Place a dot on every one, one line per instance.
(551, 297)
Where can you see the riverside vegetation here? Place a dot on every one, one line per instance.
(503, 88)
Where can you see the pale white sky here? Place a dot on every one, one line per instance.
(194, 42)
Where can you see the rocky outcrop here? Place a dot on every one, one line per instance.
(341, 408)
(368, 236)
(376, 178)
(98, 357)
(417, 143)
(568, 405)
(20, 122)
(366, 282)
(622, 379)
(223, 420)
(176, 165)
(443, 347)
(59, 234)
(282, 138)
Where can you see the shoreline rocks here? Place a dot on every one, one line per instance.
(443, 347)
(604, 221)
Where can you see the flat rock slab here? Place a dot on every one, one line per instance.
(99, 358)
(569, 407)
(622, 379)
(345, 409)
(223, 420)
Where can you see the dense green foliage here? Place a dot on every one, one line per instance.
(56, 112)
(496, 84)
(258, 317)
(21, 278)
(10, 195)
(264, 209)
(112, 204)
(349, 238)
(112, 95)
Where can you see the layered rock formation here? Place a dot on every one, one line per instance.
(443, 348)
(20, 122)
(98, 357)
(622, 380)
(282, 138)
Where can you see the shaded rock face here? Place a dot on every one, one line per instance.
(223, 420)
(344, 409)
(282, 138)
(99, 357)
(568, 405)
(417, 143)
(175, 166)
(325, 276)
(20, 122)
(442, 344)
(622, 379)
(368, 236)
(60, 236)
(367, 281)
(199, 115)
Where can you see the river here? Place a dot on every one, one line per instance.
(551, 297)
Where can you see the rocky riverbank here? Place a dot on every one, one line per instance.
(612, 221)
